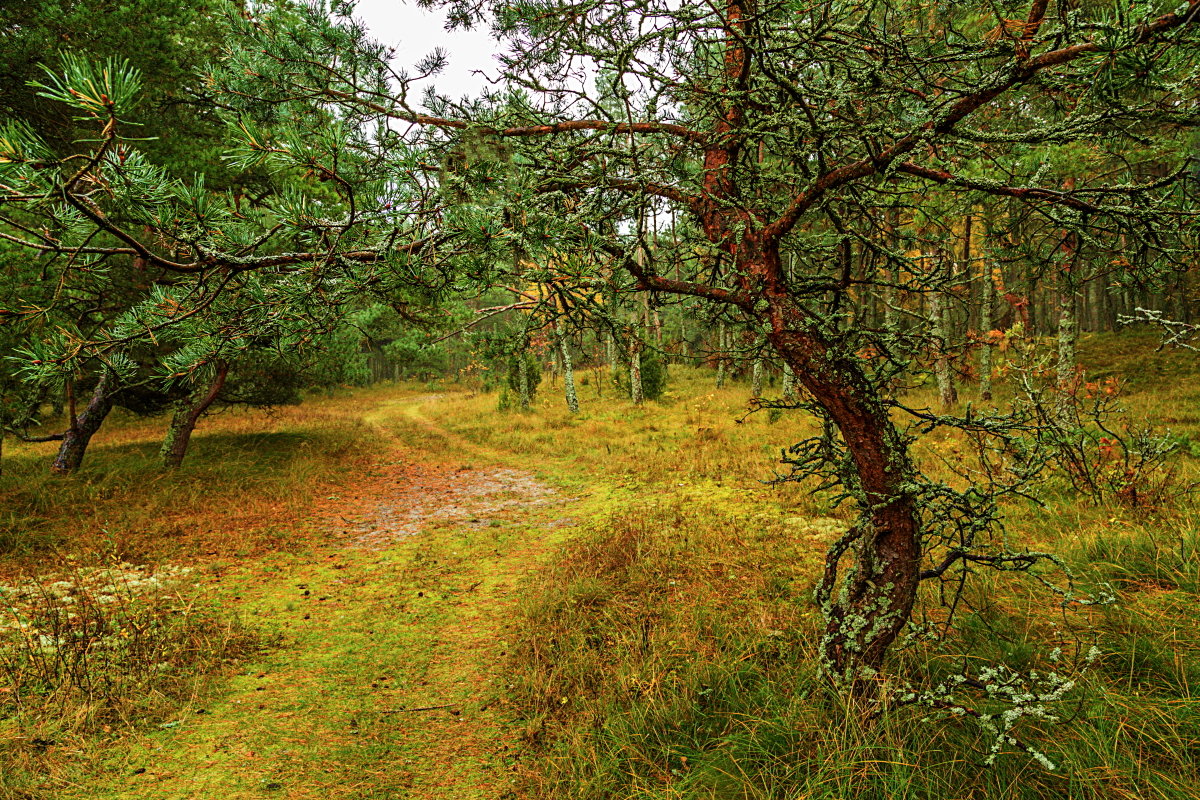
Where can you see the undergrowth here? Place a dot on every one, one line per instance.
(95, 652)
(671, 655)
(93, 648)
(672, 651)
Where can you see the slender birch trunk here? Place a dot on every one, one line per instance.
(568, 371)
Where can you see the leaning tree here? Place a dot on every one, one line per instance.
(809, 145)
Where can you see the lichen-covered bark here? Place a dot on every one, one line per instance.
(789, 383)
(183, 421)
(568, 369)
(523, 388)
(940, 318)
(84, 426)
(986, 293)
(756, 387)
(867, 602)
(614, 365)
(869, 584)
(1068, 337)
(721, 368)
(635, 370)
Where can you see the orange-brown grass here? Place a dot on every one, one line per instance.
(670, 651)
(247, 485)
(85, 656)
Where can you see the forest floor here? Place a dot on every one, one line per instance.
(438, 599)
(388, 681)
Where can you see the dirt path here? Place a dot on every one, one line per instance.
(390, 681)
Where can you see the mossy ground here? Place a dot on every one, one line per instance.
(388, 677)
(650, 636)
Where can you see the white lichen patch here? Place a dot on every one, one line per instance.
(819, 529)
(61, 599)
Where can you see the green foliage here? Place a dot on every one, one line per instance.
(654, 374)
(533, 368)
(99, 89)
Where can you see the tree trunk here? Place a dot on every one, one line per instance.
(614, 367)
(83, 427)
(891, 292)
(789, 383)
(568, 370)
(187, 413)
(635, 369)
(866, 604)
(940, 317)
(1068, 336)
(721, 369)
(986, 291)
(523, 381)
(756, 388)
(555, 365)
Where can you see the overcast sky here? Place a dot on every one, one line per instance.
(415, 32)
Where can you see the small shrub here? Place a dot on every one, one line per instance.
(533, 370)
(1102, 452)
(654, 375)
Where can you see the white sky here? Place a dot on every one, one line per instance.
(415, 33)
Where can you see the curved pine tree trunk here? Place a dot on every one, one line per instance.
(866, 603)
(869, 584)
(84, 426)
(183, 421)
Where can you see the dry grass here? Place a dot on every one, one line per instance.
(671, 654)
(669, 650)
(102, 631)
(245, 488)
